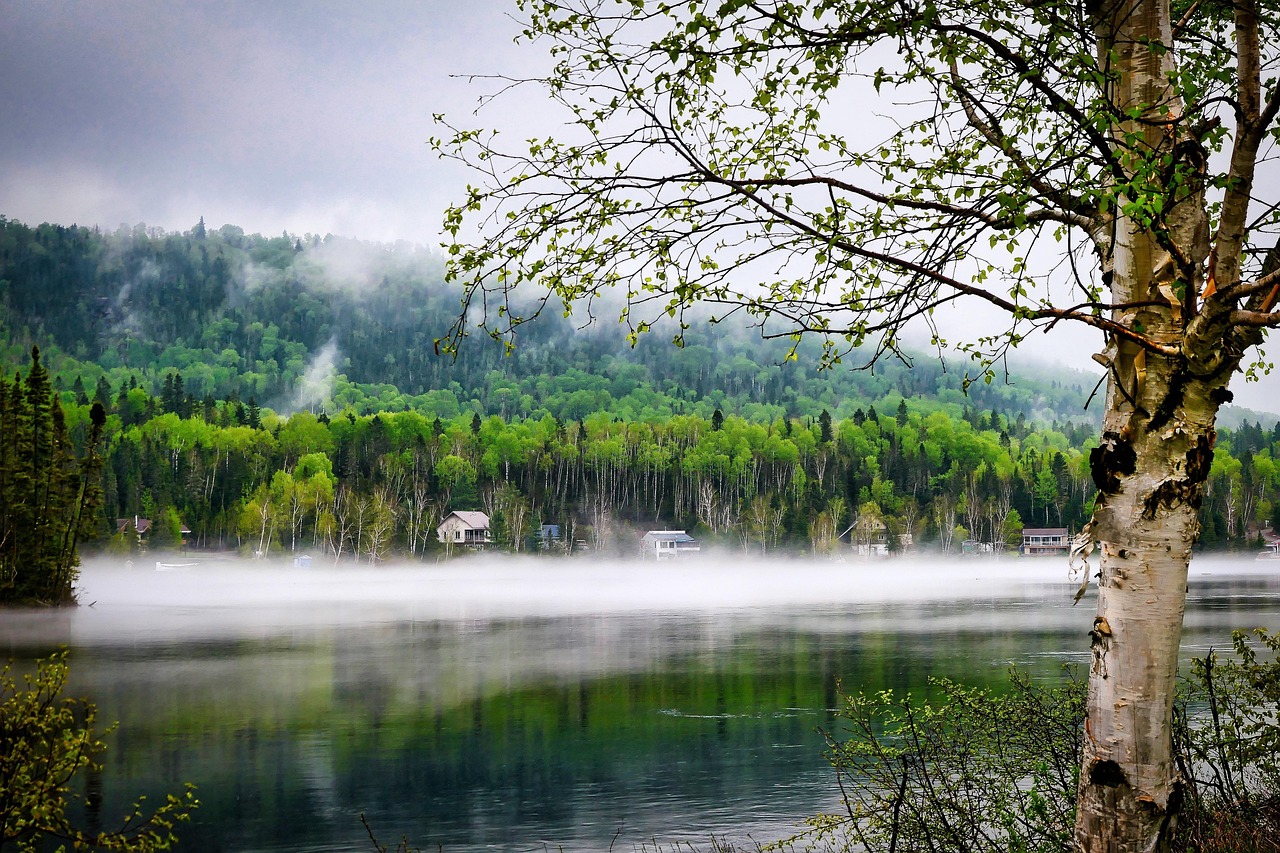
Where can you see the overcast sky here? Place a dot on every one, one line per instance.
(274, 115)
(298, 116)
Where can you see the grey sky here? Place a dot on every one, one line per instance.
(274, 115)
(310, 117)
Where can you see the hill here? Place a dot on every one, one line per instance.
(304, 322)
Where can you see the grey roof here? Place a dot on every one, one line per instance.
(669, 536)
(472, 519)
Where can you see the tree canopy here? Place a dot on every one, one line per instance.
(844, 167)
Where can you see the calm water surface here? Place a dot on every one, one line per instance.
(512, 705)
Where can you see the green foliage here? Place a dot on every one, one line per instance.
(973, 769)
(46, 741)
(166, 529)
(199, 333)
(986, 769)
(1012, 530)
(1227, 736)
(705, 156)
(49, 498)
(277, 487)
(569, 417)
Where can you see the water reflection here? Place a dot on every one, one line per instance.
(507, 705)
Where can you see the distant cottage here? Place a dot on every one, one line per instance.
(137, 524)
(869, 536)
(549, 537)
(464, 529)
(143, 528)
(667, 545)
(1045, 541)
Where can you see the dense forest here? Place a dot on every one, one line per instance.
(329, 324)
(284, 394)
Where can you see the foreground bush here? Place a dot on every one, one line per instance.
(974, 770)
(46, 740)
(1228, 741)
(978, 771)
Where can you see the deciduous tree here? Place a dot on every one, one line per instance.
(1093, 163)
(46, 741)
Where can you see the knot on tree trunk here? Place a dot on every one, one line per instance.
(1107, 773)
(1112, 808)
(1113, 458)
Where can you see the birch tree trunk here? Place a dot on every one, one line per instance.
(1153, 458)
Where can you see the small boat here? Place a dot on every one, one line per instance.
(1271, 552)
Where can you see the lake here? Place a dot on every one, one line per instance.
(531, 704)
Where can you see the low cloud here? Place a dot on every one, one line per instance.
(315, 387)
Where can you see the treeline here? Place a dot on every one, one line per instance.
(328, 324)
(193, 342)
(367, 486)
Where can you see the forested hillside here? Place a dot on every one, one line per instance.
(326, 324)
(284, 394)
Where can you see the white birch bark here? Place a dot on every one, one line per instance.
(1155, 453)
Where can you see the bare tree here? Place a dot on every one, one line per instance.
(420, 516)
(380, 513)
(763, 521)
(1092, 163)
(341, 526)
(944, 516)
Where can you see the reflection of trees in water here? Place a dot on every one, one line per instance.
(477, 731)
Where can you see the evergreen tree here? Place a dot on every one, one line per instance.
(102, 391)
(48, 498)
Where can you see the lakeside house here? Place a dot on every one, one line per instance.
(1045, 541)
(142, 527)
(668, 545)
(137, 524)
(1270, 544)
(549, 537)
(868, 536)
(464, 529)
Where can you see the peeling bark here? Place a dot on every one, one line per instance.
(1150, 467)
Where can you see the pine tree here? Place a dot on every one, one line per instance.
(48, 498)
(824, 427)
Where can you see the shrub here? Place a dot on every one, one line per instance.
(976, 770)
(45, 741)
(1228, 743)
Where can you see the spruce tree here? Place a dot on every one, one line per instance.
(48, 498)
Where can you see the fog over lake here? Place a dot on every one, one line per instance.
(491, 703)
